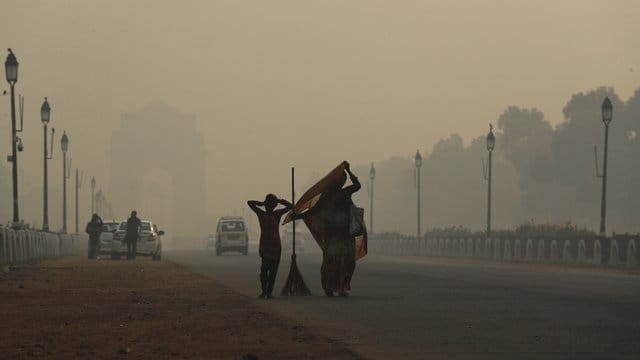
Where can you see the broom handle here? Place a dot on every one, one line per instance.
(293, 201)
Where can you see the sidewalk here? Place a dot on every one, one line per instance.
(76, 308)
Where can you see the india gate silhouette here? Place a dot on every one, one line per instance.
(159, 137)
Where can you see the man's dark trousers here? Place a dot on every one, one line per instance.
(131, 249)
(93, 248)
(268, 272)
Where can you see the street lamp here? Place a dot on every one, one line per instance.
(11, 70)
(418, 160)
(45, 116)
(99, 202)
(64, 144)
(372, 176)
(93, 194)
(607, 115)
(491, 144)
(78, 186)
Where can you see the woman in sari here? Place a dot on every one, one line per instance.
(334, 212)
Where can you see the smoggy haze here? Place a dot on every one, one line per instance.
(301, 83)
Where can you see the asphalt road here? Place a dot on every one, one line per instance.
(416, 308)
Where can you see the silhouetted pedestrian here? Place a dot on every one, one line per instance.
(333, 211)
(94, 229)
(270, 246)
(134, 226)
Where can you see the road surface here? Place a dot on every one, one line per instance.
(418, 308)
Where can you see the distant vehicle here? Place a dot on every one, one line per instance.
(106, 237)
(149, 243)
(232, 235)
(211, 241)
(303, 240)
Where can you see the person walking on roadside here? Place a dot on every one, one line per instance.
(94, 229)
(270, 246)
(332, 211)
(134, 226)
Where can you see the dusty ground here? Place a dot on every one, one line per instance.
(76, 308)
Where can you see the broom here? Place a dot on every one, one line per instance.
(295, 285)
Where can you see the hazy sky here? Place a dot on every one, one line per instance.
(305, 83)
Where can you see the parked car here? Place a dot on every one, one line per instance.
(149, 243)
(211, 241)
(106, 237)
(232, 235)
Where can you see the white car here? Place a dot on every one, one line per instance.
(232, 235)
(149, 242)
(106, 237)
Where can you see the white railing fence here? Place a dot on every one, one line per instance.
(25, 245)
(619, 250)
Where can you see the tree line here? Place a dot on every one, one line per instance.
(542, 173)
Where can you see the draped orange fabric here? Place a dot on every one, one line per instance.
(315, 224)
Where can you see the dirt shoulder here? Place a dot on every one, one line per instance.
(76, 308)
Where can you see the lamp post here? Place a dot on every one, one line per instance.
(78, 186)
(64, 143)
(11, 70)
(93, 194)
(372, 176)
(99, 200)
(491, 143)
(45, 116)
(607, 115)
(418, 160)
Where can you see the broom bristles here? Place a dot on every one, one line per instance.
(295, 285)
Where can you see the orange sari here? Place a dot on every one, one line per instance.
(325, 211)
